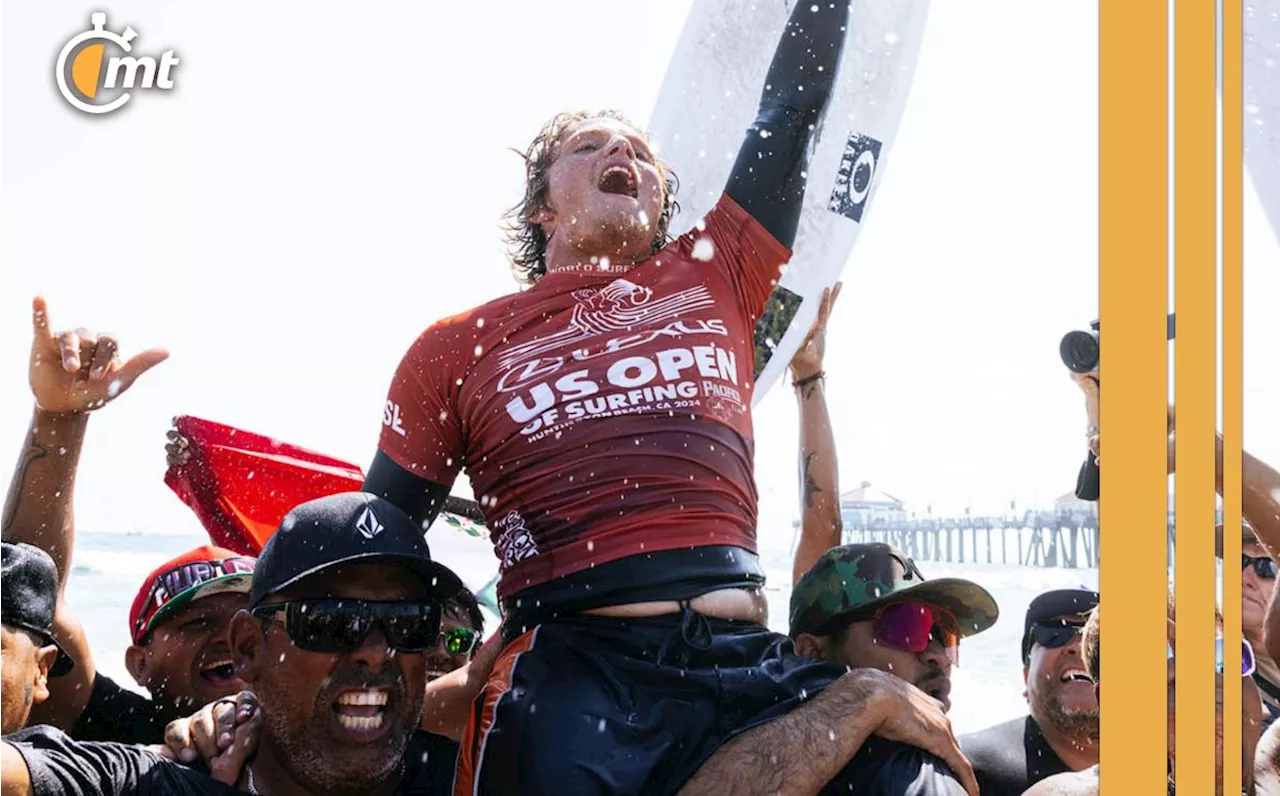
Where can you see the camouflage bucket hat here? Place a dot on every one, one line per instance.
(856, 577)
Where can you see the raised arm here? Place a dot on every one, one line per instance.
(820, 526)
(71, 375)
(799, 753)
(768, 177)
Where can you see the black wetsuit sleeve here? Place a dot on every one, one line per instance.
(768, 177)
(1089, 480)
(416, 496)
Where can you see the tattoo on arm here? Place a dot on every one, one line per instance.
(32, 453)
(810, 485)
(797, 753)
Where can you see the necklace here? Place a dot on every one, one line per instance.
(248, 770)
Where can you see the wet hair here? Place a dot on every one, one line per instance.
(527, 240)
(465, 606)
(1091, 645)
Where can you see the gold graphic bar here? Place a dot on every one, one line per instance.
(1133, 298)
(1232, 376)
(1195, 150)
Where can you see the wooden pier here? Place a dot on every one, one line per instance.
(1043, 539)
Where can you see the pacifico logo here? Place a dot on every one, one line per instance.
(90, 86)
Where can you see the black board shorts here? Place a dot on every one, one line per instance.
(600, 705)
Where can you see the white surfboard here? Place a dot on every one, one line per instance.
(1262, 104)
(708, 99)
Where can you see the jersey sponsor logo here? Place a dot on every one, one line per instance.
(621, 306)
(855, 176)
(515, 542)
(391, 418)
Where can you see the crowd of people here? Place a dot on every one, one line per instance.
(602, 415)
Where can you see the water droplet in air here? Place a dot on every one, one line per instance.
(704, 249)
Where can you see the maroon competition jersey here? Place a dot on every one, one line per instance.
(603, 413)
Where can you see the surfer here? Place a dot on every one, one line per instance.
(603, 418)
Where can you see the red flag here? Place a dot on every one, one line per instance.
(241, 484)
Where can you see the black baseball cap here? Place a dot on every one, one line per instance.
(346, 528)
(1053, 605)
(29, 596)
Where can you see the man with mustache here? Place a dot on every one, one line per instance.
(345, 603)
(867, 606)
(1061, 732)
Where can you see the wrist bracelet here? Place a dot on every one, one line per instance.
(809, 379)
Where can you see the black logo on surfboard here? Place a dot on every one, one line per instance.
(857, 173)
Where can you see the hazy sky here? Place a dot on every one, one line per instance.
(323, 183)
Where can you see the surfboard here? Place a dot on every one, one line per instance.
(1262, 105)
(709, 97)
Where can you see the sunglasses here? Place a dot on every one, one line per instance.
(1263, 567)
(1055, 635)
(459, 640)
(339, 626)
(1247, 662)
(910, 626)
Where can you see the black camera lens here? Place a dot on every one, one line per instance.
(1079, 351)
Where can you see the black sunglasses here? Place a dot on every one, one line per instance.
(338, 626)
(1055, 635)
(1263, 567)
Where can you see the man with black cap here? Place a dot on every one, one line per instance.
(29, 655)
(345, 603)
(1061, 732)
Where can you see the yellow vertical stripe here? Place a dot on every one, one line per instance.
(1133, 297)
(1195, 383)
(1232, 374)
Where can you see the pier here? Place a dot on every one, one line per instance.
(1039, 539)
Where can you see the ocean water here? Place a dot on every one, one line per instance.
(987, 687)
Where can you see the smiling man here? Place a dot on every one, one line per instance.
(1061, 732)
(345, 604)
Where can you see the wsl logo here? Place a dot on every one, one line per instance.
(855, 177)
(92, 87)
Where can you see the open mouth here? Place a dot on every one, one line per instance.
(620, 180)
(1076, 676)
(363, 710)
(218, 671)
(435, 674)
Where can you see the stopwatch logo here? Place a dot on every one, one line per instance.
(88, 86)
